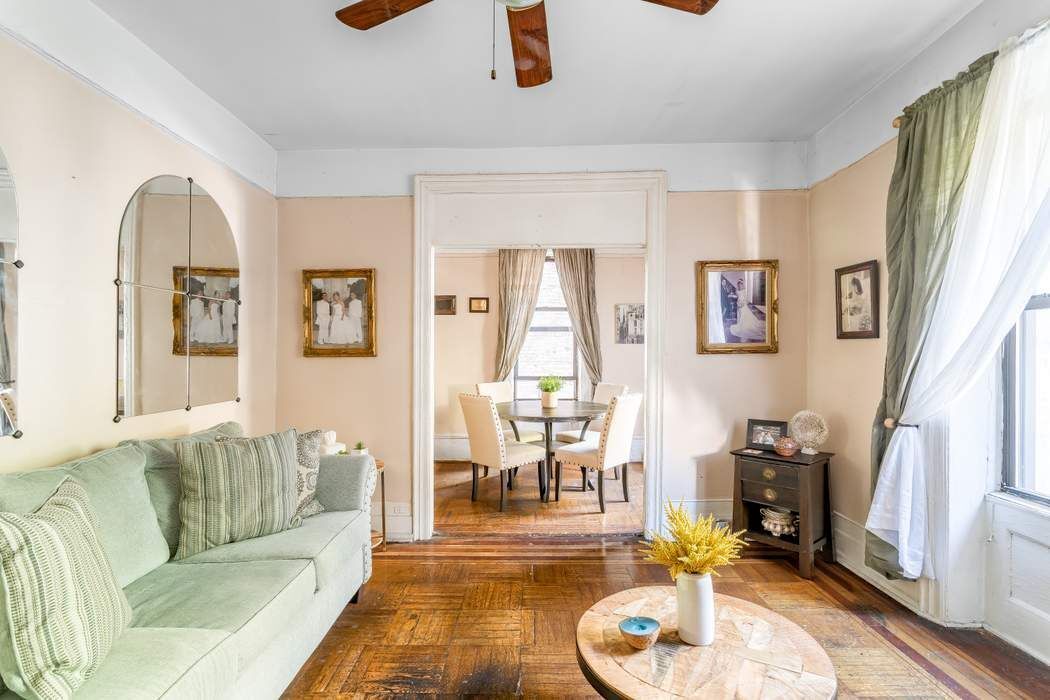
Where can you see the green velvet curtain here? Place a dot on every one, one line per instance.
(936, 141)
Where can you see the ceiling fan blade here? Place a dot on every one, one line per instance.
(697, 7)
(531, 45)
(369, 13)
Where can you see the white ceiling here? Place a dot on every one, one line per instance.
(625, 71)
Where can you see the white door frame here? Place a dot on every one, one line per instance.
(637, 200)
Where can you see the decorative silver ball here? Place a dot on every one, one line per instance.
(810, 429)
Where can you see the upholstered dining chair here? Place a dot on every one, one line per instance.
(612, 451)
(490, 448)
(502, 392)
(603, 393)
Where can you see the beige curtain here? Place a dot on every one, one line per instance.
(520, 272)
(576, 271)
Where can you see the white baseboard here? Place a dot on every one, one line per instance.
(398, 520)
(849, 551)
(456, 448)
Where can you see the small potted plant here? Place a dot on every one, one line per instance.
(692, 552)
(549, 388)
(359, 449)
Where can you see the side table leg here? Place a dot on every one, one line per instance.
(382, 504)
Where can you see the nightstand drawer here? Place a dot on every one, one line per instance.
(773, 474)
(769, 494)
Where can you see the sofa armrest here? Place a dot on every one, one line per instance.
(346, 482)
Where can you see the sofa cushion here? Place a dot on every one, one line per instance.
(162, 475)
(115, 483)
(253, 601)
(329, 540)
(60, 607)
(235, 490)
(149, 663)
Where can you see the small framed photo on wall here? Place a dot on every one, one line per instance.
(478, 305)
(736, 306)
(445, 305)
(339, 313)
(857, 301)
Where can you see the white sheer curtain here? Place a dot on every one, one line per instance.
(1000, 251)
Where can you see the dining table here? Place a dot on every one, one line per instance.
(567, 411)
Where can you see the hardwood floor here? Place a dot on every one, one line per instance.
(577, 513)
(496, 616)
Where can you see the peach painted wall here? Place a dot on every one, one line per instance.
(620, 280)
(848, 226)
(708, 398)
(77, 157)
(361, 398)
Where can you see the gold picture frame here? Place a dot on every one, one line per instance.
(744, 317)
(327, 340)
(178, 310)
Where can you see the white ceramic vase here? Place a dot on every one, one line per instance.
(696, 609)
(549, 399)
(362, 451)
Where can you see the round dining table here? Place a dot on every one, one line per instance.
(524, 411)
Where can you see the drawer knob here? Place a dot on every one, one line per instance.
(769, 473)
(770, 494)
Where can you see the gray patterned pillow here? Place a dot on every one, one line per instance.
(308, 459)
(62, 609)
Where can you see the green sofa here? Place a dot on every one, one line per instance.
(236, 621)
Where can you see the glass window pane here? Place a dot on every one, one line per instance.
(551, 319)
(550, 287)
(546, 353)
(1034, 391)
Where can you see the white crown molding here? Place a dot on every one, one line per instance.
(868, 123)
(83, 40)
(690, 166)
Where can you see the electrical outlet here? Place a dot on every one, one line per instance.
(400, 509)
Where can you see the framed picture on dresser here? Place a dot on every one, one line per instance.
(339, 313)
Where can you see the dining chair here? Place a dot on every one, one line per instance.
(503, 392)
(603, 393)
(490, 448)
(612, 451)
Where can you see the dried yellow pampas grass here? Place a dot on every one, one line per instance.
(694, 546)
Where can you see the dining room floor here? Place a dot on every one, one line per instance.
(496, 617)
(577, 513)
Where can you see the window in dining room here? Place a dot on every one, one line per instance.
(550, 347)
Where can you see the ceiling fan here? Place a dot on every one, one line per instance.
(528, 28)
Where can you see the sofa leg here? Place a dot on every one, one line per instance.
(357, 597)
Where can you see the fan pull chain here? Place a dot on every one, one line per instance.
(493, 39)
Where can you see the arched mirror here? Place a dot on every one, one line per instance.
(178, 300)
(9, 266)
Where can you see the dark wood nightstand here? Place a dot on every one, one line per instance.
(799, 484)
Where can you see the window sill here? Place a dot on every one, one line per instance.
(1018, 503)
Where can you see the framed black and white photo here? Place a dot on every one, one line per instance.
(736, 306)
(763, 434)
(339, 313)
(208, 315)
(630, 324)
(857, 301)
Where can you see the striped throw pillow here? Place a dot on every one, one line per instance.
(63, 607)
(236, 490)
(308, 464)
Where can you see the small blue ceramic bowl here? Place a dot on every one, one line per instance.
(640, 632)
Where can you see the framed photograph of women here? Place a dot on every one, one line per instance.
(736, 306)
(339, 313)
(857, 301)
(209, 315)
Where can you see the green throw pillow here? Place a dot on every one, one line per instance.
(308, 464)
(62, 609)
(236, 490)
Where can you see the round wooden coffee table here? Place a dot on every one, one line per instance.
(756, 654)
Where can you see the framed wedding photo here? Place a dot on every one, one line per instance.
(736, 306)
(763, 434)
(209, 314)
(339, 313)
(857, 301)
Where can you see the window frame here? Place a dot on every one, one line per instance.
(575, 377)
(1013, 418)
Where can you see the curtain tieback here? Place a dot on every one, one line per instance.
(892, 423)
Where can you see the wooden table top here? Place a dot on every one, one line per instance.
(756, 654)
(533, 411)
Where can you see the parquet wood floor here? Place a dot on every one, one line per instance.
(577, 513)
(495, 617)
